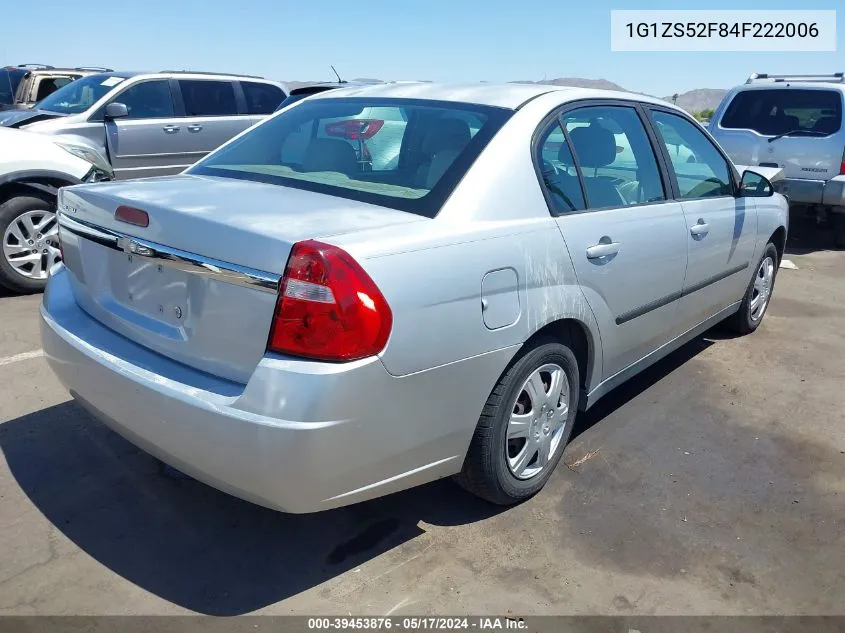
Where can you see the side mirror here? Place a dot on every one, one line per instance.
(754, 185)
(116, 110)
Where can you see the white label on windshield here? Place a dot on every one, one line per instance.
(111, 81)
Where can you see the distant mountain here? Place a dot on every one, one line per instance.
(699, 99)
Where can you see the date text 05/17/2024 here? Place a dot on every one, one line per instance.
(421, 623)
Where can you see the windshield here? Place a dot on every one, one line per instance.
(772, 112)
(401, 153)
(80, 95)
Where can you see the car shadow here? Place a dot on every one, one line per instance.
(807, 234)
(631, 388)
(207, 551)
(190, 544)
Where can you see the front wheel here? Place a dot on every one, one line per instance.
(30, 246)
(759, 293)
(524, 426)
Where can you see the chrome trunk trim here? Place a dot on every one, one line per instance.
(173, 257)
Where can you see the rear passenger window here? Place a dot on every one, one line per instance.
(261, 98)
(701, 171)
(615, 156)
(148, 100)
(208, 98)
(558, 174)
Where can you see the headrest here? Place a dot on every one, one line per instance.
(594, 145)
(330, 154)
(452, 134)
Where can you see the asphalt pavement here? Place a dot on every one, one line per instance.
(714, 483)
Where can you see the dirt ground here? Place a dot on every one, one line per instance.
(712, 484)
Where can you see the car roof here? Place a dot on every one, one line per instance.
(61, 71)
(184, 74)
(791, 85)
(509, 95)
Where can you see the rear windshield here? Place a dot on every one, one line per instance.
(81, 94)
(799, 112)
(400, 153)
(299, 95)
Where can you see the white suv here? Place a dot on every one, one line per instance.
(795, 123)
(32, 169)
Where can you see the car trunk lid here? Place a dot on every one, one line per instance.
(199, 283)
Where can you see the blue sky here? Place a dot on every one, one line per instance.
(441, 40)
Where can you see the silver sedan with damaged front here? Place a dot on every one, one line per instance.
(303, 324)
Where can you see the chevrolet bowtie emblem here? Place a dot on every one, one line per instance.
(131, 247)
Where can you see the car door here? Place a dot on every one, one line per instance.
(147, 141)
(627, 241)
(721, 227)
(211, 115)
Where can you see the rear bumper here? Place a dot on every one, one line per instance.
(299, 437)
(825, 192)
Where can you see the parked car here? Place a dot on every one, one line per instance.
(793, 122)
(298, 94)
(306, 333)
(37, 81)
(32, 168)
(151, 124)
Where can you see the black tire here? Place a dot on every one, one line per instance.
(9, 211)
(485, 471)
(742, 322)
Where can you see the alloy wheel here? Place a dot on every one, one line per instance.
(31, 243)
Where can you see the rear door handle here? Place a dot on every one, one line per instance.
(701, 228)
(170, 129)
(602, 249)
(195, 128)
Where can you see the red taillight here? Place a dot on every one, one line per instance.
(842, 165)
(131, 215)
(355, 129)
(328, 307)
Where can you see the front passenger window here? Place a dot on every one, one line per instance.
(148, 100)
(700, 169)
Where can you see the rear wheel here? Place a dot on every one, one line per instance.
(759, 293)
(524, 426)
(30, 243)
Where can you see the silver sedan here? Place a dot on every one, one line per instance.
(305, 324)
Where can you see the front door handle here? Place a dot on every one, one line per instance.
(700, 229)
(602, 249)
(170, 129)
(195, 128)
